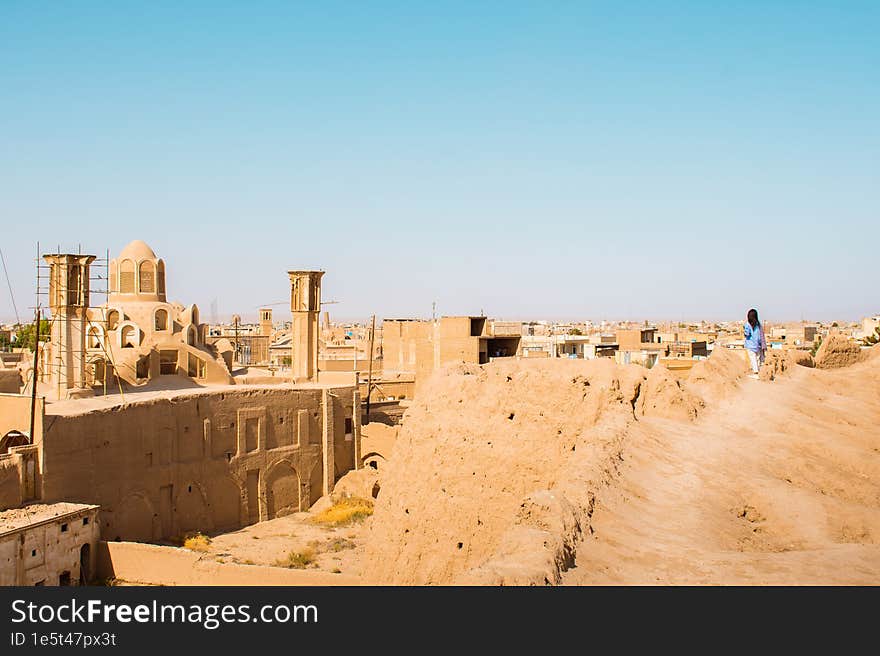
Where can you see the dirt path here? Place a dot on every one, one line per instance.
(777, 484)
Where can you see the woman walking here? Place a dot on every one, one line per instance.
(754, 340)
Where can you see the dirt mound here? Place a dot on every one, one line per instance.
(779, 363)
(566, 471)
(718, 375)
(495, 469)
(362, 483)
(664, 395)
(778, 484)
(837, 351)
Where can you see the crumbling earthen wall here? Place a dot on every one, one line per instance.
(207, 461)
(19, 465)
(496, 469)
(10, 482)
(10, 380)
(838, 351)
(20, 479)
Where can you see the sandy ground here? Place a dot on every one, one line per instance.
(780, 484)
(336, 550)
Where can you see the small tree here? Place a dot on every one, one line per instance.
(574, 331)
(24, 337)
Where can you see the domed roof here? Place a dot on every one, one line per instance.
(137, 251)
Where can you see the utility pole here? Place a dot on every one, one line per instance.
(370, 375)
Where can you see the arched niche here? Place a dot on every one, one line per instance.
(147, 277)
(126, 277)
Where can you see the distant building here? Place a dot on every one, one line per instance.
(687, 349)
(48, 544)
(635, 339)
(136, 336)
(419, 346)
(638, 346)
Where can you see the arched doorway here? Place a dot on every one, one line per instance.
(282, 491)
(97, 371)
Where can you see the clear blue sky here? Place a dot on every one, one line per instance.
(566, 159)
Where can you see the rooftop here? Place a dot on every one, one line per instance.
(151, 393)
(37, 513)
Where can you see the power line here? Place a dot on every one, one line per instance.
(9, 284)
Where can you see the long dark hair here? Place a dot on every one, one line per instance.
(752, 317)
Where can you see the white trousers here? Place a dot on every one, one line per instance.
(756, 359)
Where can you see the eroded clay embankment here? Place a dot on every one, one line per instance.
(497, 469)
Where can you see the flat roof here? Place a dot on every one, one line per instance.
(149, 393)
(39, 513)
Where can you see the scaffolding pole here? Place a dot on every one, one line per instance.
(370, 375)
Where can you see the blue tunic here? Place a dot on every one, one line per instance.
(754, 337)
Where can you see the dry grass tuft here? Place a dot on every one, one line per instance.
(197, 542)
(340, 544)
(297, 559)
(345, 511)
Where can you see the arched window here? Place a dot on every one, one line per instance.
(128, 338)
(99, 371)
(147, 278)
(95, 338)
(160, 278)
(195, 316)
(126, 277)
(191, 336)
(161, 322)
(112, 319)
(11, 439)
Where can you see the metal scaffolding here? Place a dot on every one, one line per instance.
(48, 368)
